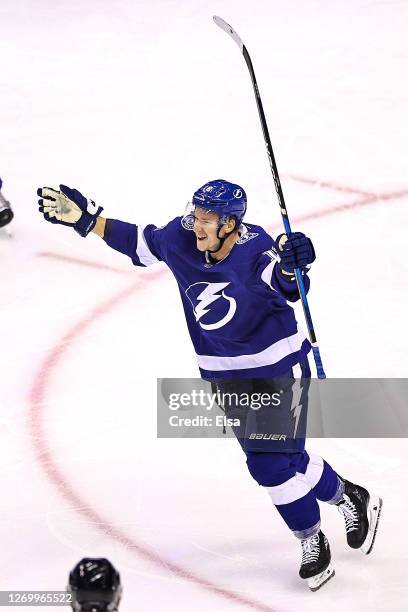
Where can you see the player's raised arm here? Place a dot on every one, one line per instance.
(69, 207)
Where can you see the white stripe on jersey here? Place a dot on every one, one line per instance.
(142, 250)
(266, 275)
(272, 354)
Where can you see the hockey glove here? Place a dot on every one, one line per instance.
(68, 207)
(296, 251)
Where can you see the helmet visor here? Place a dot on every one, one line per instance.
(190, 219)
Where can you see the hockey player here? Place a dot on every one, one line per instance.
(6, 214)
(235, 282)
(94, 585)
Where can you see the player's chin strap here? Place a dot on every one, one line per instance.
(223, 239)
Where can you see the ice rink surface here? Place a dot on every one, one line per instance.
(137, 104)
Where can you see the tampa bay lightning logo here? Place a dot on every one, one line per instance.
(246, 237)
(209, 301)
(188, 222)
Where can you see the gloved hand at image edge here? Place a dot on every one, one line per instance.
(68, 207)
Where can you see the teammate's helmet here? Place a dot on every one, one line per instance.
(95, 586)
(223, 198)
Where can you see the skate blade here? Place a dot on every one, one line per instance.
(374, 513)
(319, 580)
(7, 230)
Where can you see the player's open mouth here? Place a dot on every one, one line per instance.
(201, 237)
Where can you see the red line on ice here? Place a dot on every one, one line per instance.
(370, 199)
(328, 185)
(38, 391)
(84, 262)
(49, 463)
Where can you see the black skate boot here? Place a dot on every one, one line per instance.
(6, 214)
(316, 567)
(361, 513)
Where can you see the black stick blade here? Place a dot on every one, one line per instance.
(229, 30)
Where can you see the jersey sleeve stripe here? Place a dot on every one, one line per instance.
(142, 250)
(266, 275)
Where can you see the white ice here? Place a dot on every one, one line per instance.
(137, 104)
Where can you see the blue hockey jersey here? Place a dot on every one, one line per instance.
(236, 309)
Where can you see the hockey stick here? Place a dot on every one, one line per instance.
(312, 336)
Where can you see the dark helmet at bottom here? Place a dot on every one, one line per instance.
(94, 585)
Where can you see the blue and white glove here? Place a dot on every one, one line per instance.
(68, 207)
(296, 251)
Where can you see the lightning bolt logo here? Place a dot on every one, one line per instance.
(296, 415)
(296, 406)
(212, 293)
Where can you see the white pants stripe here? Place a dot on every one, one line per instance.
(299, 485)
(293, 489)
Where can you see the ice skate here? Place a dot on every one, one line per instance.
(361, 512)
(6, 213)
(316, 567)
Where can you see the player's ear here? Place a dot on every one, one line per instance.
(231, 225)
